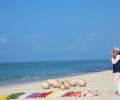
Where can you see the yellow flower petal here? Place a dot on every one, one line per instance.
(3, 97)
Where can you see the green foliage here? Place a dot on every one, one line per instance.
(14, 96)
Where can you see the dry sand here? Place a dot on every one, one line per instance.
(101, 81)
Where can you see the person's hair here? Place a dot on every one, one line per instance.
(115, 52)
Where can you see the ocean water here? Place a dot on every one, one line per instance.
(34, 71)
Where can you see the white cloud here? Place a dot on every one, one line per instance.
(3, 40)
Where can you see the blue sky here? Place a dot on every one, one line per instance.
(42, 30)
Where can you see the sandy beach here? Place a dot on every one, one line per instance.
(101, 81)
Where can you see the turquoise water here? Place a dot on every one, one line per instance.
(32, 71)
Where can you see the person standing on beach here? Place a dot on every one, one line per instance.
(115, 58)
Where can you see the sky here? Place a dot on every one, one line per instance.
(50, 30)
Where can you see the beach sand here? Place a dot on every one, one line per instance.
(101, 81)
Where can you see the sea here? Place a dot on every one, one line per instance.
(17, 72)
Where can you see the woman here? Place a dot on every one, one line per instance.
(116, 67)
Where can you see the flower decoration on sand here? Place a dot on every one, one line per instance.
(73, 83)
(3, 97)
(81, 93)
(72, 94)
(56, 94)
(63, 84)
(46, 85)
(81, 83)
(15, 96)
(39, 95)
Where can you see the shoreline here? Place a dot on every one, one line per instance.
(31, 80)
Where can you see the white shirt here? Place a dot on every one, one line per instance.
(115, 61)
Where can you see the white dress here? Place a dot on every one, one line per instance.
(117, 74)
